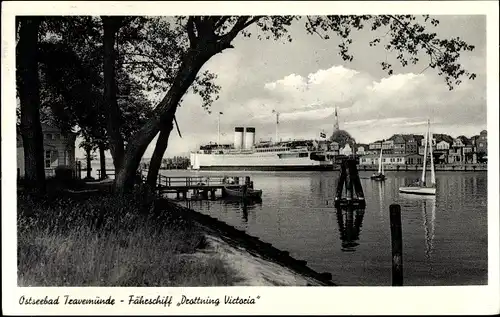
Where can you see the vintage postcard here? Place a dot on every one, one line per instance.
(263, 157)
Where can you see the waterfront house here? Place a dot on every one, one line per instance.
(442, 149)
(443, 145)
(455, 152)
(399, 144)
(346, 150)
(58, 150)
(375, 145)
(412, 142)
(414, 159)
(368, 159)
(361, 148)
(333, 148)
(388, 147)
(468, 155)
(393, 159)
(482, 142)
(387, 159)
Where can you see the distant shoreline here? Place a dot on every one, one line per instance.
(395, 168)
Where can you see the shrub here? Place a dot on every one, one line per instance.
(64, 173)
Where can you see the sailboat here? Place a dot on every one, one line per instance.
(379, 176)
(421, 187)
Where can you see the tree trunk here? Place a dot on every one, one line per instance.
(164, 114)
(102, 158)
(89, 163)
(161, 146)
(29, 95)
(116, 145)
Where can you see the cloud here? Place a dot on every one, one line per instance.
(389, 104)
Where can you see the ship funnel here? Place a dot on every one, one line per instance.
(238, 137)
(249, 138)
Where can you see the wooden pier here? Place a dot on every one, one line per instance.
(200, 187)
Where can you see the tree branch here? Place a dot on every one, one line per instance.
(252, 21)
(221, 20)
(240, 24)
(177, 126)
(190, 31)
(427, 45)
(152, 60)
(313, 28)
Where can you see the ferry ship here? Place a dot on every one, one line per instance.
(247, 155)
(263, 156)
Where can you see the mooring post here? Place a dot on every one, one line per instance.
(397, 245)
(348, 187)
(244, 190)
(340, 183)
(357, 182)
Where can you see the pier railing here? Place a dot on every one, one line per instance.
(189, 181)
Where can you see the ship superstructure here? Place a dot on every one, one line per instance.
(247, 154)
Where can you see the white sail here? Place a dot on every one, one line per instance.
(382, 168)
(425, 156)
(433, 174)
(380, 162)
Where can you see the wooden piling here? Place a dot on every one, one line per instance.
(340, 184)
(353, 171)
(244, 188)
(397, 245)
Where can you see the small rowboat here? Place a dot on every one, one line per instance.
(378, 177)
(237, 191)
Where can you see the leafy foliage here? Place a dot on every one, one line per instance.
(73, 85)
(153, 48)
(407, 35)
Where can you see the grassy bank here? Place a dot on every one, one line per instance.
(111, 240)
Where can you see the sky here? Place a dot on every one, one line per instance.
(306, 79)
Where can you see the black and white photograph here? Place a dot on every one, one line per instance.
(179, 158)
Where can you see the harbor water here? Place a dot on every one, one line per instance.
(444, 237)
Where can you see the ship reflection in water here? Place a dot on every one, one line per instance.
(349, 222)
(229, 205)
(242, 205)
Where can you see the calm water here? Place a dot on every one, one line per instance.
(444, 237)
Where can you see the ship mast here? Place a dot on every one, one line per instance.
(336, 123)
(218, 129)
(277, 125)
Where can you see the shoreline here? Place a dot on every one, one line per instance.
(387, 167)
(239, 241)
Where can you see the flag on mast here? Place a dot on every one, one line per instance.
(277, 116)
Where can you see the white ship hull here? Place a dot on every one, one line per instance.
(256, 161)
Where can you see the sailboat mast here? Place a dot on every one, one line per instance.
(433, 174)
(425, 155)
(380, 161)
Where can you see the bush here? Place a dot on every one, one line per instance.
(64, 173)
